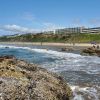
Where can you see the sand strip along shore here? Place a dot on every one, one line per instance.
(47, 44)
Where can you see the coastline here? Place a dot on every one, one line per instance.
(48, 44)
(74, 61)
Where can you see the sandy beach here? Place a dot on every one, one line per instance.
(49, 44)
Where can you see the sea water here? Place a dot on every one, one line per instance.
(82, 73)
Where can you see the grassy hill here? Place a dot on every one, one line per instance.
(78, 38)
(85, 38)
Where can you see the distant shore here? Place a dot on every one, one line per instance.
(48, 44)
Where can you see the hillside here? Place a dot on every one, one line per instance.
(36, 38)
(41, 37)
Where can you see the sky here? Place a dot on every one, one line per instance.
(31, 16)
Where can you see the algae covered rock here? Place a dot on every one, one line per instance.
(20, 80)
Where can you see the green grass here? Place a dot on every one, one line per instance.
(78, 38)
(86, 38)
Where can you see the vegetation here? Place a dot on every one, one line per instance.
(85, 38)
(41, 37)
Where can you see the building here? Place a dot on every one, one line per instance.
(77, 30)
(91, 30)
(68, 30)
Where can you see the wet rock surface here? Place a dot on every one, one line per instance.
(91, 51)
(67, 49)
(20, 80)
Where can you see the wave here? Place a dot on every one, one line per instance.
(64, 61)
(42, 51)
(75, 68)
(85, 93)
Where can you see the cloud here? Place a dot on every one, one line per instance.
(13, 29)
(51, 26)
(16, 28)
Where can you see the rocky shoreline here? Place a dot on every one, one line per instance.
(20, 80)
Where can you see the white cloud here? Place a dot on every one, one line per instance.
(51, 26)
(19, 29)
(16, 28)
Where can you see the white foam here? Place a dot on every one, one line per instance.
(42, 51)
(90, 91)
(65, 61)
(69, 62)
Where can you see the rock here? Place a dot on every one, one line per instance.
(67, 49)
(91, 51)
(20, 80)
(6, 47)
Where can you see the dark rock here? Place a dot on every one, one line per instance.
(91, 51)
(1, 82)
(67, 49)
(7, 57)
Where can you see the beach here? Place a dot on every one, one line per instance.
(70, 48)
(75, 48)
(49, 44)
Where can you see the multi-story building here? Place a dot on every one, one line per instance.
(77, 30)
(91, 30)
(69, 30)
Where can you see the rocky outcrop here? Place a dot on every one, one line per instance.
(20, 80)
(91, 51)
(67, 49)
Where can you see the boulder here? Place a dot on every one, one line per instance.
(91, 51)
(67, 49)
(20, 80)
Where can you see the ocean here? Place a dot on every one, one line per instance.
(82, 73)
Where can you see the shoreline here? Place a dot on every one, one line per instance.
(48, 44)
